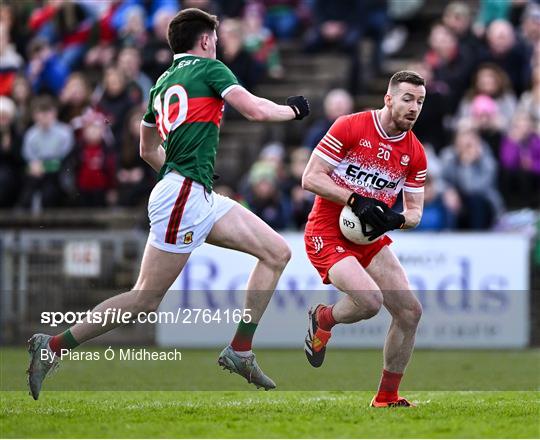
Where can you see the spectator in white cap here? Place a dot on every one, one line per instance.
(11, 163)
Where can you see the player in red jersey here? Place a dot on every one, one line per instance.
(365, 160)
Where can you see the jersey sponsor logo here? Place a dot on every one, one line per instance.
(188, 237)
(340, 250)
(360, 177)
(187, 63)
(364, 143)
(387, 146)
(405, 159)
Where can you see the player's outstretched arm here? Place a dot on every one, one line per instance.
(413, 204)
(150, 148)
(256, 108)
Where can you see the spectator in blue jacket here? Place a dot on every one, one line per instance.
(46, 70)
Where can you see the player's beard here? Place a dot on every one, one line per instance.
(403, 124)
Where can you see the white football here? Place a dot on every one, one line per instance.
(351, 228)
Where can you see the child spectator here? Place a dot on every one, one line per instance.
(487, 119)
(96, 164)
(45, 146)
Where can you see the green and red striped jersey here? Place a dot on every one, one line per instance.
(186, 105)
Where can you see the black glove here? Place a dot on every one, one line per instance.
(300, 106)
(369, 211)
(392, 220)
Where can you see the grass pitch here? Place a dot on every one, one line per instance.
(505, 403)
(230, 414)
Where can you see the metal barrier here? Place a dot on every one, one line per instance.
(62, 271)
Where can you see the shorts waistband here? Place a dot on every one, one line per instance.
(175, 176)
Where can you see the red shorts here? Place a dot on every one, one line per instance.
(324, 252)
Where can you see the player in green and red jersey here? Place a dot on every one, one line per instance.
(179, 139)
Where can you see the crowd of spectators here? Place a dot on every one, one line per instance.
(75, 77)
(480, 123)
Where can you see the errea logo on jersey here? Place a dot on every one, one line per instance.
(364, 143)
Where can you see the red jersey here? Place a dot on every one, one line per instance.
(368, 162)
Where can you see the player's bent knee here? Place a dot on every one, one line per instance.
(416, 313)
(410, 316)
(147, 305)
(286, 255)
(369, 304)
(278, 255)
(372, 306)
(147, 301)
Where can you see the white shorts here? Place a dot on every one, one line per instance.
(182, 213)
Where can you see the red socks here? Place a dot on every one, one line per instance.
(325, 319)
(388, 388)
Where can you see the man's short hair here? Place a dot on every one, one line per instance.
(43, 103)
(405, 76)
(458, 8)
(187, 26)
